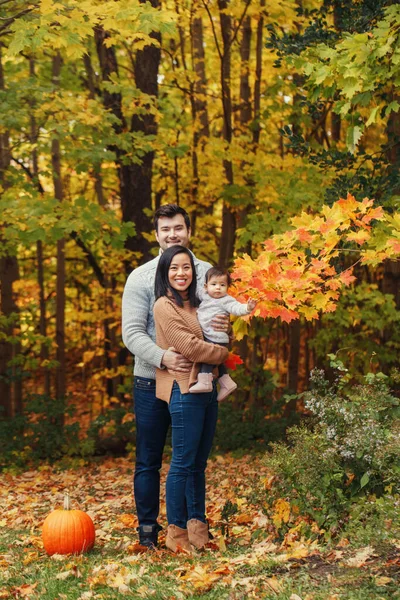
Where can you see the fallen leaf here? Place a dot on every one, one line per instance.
(244, 518)
(274, 584)
(383, 580)
(24, 591)
(221, 544)
(281, 512)
(64, 575)
(360, 558)
(129, 520)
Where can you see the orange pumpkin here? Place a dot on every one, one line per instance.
(67, 531)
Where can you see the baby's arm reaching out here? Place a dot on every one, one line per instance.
(251, 304)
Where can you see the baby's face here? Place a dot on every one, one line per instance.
(217, 286)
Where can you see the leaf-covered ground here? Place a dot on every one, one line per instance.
(245, 559)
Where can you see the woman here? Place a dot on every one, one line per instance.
(193, 416)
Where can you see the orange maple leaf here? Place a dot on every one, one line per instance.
(304, 235)
(394, 243)
(360, 236)
(346, 277)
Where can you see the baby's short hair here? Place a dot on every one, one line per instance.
(217, 272)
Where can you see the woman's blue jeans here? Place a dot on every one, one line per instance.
(193, 419)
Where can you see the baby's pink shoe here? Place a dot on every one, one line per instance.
(227, 386)
(203, 385)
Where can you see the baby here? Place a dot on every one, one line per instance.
(215, 301)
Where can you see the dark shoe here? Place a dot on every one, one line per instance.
(148, 535)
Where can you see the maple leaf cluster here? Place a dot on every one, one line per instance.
(295, 275)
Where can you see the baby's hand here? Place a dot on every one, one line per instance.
(251, 304)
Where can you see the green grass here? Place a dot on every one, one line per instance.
(26, 569)
(255, 563)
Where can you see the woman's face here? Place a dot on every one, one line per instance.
(180, 273)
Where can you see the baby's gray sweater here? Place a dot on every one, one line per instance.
(210, 307)
(138, 328)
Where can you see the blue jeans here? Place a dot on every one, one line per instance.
(152, 423)
(193, 418)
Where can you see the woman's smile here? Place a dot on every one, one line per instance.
(180, 274)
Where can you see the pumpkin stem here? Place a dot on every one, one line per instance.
(67, 503)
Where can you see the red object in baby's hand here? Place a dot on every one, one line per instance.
(233, 361)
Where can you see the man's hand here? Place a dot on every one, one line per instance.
(175, 361)
(221, 323)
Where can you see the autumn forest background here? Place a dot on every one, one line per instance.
(269, 121)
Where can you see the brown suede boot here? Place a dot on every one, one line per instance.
(198, 533)
(177, 539)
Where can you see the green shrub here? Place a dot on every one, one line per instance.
(365, 326)
(349, 449)
(376, 519)
(38, 434)
(112, 431)
(244, 429)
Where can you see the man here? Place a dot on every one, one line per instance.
(172, 227)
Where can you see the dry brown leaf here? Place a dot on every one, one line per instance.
(360, 558)
(274, 584)
(244, 518)
(137, 548)
(65, 574)
(24, 591)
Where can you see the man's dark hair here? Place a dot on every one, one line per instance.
(217, 272)
(170, 211)
(162, 286)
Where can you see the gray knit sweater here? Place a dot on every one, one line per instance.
(138, 328)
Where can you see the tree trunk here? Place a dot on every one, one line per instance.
(140, 195)
(200, 84)
(336, 124)
(134, 179)
(294, 355)
(258, 75)
(10, 399)
(201, 126)
(228, 233)
(44, 350)
(245, 100)
(93, 91)
(10, 380)
(391, 278)
(60, 384)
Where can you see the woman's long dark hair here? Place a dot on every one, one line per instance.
(162, 286)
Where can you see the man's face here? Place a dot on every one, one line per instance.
(172, 232)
